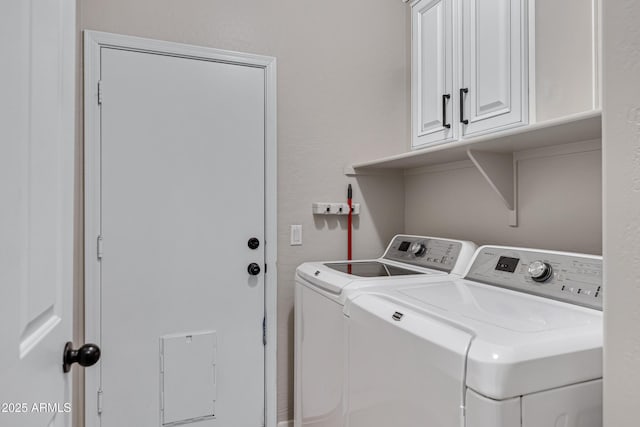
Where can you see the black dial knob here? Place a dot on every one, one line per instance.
(253, 243)
(253, 269)
(87, 355)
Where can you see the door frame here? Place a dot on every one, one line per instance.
(94, 41)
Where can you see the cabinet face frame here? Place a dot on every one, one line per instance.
(428, 96)
(509, 108)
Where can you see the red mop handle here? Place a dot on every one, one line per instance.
(349, 224)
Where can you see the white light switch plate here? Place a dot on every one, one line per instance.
(296, 235)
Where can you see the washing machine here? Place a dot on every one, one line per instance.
(321, 288)
(516, 343)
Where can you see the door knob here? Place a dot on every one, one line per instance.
(253, 269)
(87, 355)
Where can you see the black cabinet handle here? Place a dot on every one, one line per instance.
(462, 92)
(445, 97)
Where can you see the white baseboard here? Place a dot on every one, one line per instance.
(285, 423)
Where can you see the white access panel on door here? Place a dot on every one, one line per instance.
(188, 377)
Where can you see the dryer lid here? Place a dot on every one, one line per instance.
(502, 309)
(521, 343)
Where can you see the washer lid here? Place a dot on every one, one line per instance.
(370, 269)
(329, 278)
(521, 343)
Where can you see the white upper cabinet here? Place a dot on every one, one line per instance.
(432, 72)
(469, 68)
(493, 86)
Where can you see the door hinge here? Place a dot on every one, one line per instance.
(100, 401)
(264, 331)
(99, 247)
(100, 92)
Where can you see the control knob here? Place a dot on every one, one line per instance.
(540, 271)
(418, 249)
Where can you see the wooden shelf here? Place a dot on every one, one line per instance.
(574, 128)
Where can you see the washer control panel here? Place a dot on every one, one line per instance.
(567, 277)
(427, 252)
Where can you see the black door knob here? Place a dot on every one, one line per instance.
(253, 269)
(253, 243)
(87, 355)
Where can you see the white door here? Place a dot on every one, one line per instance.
(37, 44)
(493, 91)
(182, 191)
(432, 75)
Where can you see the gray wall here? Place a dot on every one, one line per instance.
(559, 203)
(621, 155)
(343, 88)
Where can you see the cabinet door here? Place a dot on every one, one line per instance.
(432, 73)
(493, 90)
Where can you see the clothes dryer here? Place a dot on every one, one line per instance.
(516, 343)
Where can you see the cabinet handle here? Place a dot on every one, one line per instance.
(444, 110)
(462, 92)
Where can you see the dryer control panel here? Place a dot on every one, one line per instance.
(567, 277)
(428, 252)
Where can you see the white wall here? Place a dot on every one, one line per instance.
(558, 200)
(342, 96)
(621, 162)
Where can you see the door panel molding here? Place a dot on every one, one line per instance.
(93, 43)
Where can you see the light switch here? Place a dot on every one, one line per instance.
(296, 235)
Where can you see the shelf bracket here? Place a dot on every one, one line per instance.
(500, 171)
